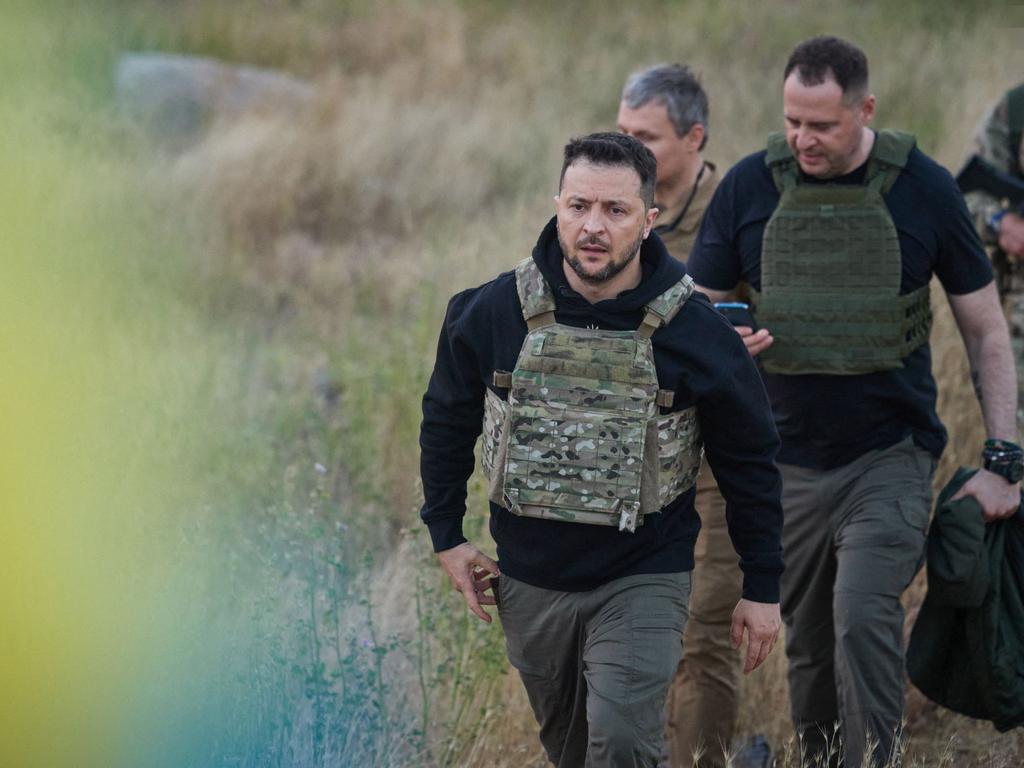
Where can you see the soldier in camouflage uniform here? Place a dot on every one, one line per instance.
(597, 375)
(666, 109)
(998, 141)
(835, 231)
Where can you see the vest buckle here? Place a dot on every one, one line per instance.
(627, 518)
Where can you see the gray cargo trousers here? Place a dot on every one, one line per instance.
(597, 665)
(853, 539)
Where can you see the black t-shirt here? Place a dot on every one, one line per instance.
(697, 355)
(828, 421)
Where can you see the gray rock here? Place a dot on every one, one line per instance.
(176, 97)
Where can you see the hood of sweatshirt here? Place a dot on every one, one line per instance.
(659, 273)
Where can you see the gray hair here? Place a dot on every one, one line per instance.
(676, 88)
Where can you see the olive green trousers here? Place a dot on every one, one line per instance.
(597, 665)
(853, 538)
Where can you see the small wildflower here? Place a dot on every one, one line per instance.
(320, 468)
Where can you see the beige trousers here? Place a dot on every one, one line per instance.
(703, 698)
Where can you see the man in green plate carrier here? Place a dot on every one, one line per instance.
(836, 230)
(596, 374)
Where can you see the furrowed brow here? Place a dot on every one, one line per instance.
(617, 202)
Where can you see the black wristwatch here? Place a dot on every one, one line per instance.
(1004, 458)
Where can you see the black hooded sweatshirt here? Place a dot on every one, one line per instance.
(698, 355)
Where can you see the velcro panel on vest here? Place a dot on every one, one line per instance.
(616, 368)
(535, 296)
(831, 239)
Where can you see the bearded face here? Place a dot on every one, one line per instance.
(602, 221)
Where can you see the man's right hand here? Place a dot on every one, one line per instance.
(756, 343)
(999, 499)
(470, 571)
(1011, 235)
(762, 623)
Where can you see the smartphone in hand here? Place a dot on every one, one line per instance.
(737, 313)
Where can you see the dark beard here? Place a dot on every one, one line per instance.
(607, 272)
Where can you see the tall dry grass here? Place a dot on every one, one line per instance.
(426, 166)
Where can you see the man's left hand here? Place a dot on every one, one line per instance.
(762, 622)
(998, 498)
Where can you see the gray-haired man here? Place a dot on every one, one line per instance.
(666, 109)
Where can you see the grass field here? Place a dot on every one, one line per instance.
(217, 355)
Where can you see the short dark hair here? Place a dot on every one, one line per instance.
(676, 88)
(614, 149)
(817, 58)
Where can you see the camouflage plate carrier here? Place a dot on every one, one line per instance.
(580, 437)
(830, 271)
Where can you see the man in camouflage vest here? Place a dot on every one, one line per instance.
(666, 109)
(596, 374)
(835, 231)
(999, 142)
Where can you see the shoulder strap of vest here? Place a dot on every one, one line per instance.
(888, 157)
(663, 308)
(535, 296)
(779, 159)
(1015, 121)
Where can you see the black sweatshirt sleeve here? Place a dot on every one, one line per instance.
(741, 442)
(452, 418)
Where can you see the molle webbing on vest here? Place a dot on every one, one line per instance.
(580, 438)
(831, 270)
(1015, 122)
(825, 340)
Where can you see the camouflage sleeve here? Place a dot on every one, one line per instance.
(991, 143)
